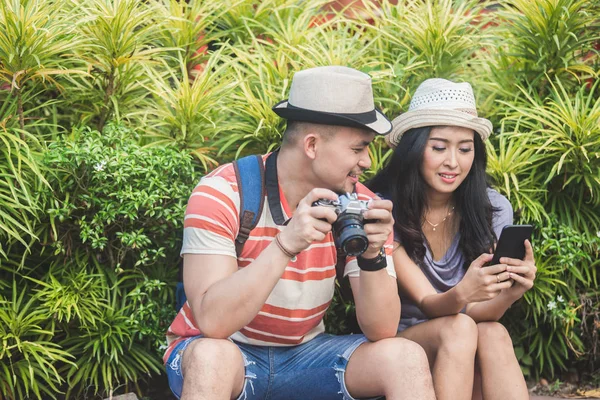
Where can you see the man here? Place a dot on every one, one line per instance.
(252, 326)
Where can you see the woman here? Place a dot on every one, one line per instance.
(447, 220)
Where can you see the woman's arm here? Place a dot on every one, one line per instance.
(479, 284)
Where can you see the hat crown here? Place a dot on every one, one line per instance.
(442, 94)
(332, 89)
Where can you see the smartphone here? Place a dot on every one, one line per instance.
(511, 243)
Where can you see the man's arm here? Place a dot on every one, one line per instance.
(224, 299)
(377, 304)
(375, 292)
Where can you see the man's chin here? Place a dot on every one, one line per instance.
(349, 188)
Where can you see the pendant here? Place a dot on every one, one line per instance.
(434, 229)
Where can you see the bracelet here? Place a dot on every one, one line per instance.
(373, 264)
(282, 247)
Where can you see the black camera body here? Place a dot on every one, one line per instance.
(348, 230)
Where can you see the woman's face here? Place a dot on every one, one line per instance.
(447, 158)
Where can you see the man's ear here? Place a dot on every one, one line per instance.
(310, 143)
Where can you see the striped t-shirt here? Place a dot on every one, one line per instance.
(293, 313)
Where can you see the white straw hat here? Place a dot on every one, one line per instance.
(440, 102)
(333, 95)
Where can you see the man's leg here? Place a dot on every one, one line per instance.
(501, 375)
(396, 368)
(450, 344)
(212, 369)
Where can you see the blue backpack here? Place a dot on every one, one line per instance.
(250, 176)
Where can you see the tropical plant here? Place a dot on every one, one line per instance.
(511, 167)
(21, 182)
(28, 356)
(189, 116)
(106, 355)
(187, 30)
(443, 36)
(37, 39)
(121, 37)
(541, 41)
(547, 323)
(563, 130)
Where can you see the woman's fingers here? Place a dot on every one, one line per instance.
(519, 270)
(494, 269)
(522, 280)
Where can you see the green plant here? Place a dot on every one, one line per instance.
(441, 35)
(547, 324)
(120, 39)
(152, 310)
(511, 167)
(36, 43)
(106, 353)
(28, 356)
(21, 180)
(541, 41)
(188, 116)
(564, 132)
(120, 201)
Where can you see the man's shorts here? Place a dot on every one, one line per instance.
(313, 370)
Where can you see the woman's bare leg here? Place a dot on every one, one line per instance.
(450, 344)
(502, 378)
(477, 394)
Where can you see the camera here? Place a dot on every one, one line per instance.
(348, 230)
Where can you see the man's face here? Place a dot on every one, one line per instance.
(341, 158)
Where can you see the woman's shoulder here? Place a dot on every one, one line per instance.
(498, 200)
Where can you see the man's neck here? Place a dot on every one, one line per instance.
(292, 174)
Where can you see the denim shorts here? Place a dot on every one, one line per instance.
(313, 370)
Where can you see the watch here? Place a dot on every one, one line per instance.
(373, 264)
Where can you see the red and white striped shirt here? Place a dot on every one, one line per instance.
(293, 312)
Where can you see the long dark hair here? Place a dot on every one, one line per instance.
(402, 182)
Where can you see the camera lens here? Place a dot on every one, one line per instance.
(350, 235)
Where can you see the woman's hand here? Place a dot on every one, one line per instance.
(521, 271)
(483, 283)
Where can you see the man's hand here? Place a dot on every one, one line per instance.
(521, 271)
(309, 224)
(378, 231)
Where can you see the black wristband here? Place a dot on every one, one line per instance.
(372, 264)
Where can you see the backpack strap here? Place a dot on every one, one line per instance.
(250, 176)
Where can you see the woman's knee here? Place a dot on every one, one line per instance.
(214, 353)
(493, 336)
(459, 333)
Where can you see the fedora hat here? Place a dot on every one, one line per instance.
(440, 102)
(333, 95)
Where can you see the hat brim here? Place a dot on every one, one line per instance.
(439, 117)
(381, 125)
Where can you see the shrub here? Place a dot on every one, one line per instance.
(121, 202)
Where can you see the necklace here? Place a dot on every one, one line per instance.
(442, 221)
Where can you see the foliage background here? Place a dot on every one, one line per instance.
(112, 110)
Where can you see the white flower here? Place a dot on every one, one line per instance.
(100, 166)
(598, 233)
(560, 299)
(552, 305)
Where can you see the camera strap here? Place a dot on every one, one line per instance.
(272, 187)
(274, 200)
